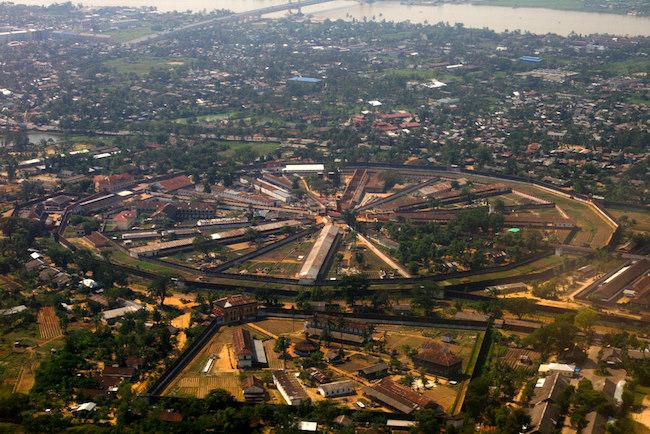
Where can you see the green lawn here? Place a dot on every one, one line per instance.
(145, 64)
(640, 219)
(125, 259)
(125, 35)
(533, 267)
(639, 99)
(260, 148)
(206, 119)
(628, 66)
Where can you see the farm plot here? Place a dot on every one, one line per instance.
(281, 326)
(285, 261)
(199, 386)
(353, 257)
(443, 395)
(48, 323)
(513, 357)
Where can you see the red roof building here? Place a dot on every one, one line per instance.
(125, 219)
(438, 360)
(175, 183)
(113, 183)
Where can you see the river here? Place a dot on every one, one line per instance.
(534, 20)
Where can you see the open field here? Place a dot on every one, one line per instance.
(223, 374)
(284, 261)
(640, 220)
(533, 267)
(594, 230)
(347, 261)
(260, 148)
(145, 65)
(124, 35)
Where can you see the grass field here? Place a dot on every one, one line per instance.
(260, 148)
(207, 119)
(640, 220)
(533, 267)
(124, 35)
(124, 259)
(628, 66)
(594, 230)
(144, 65)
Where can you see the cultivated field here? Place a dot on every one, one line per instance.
(284, 261)
(48, 323)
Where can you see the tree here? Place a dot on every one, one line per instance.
(427, 421)
(351, 285)
(425, 297)
(586, 319)
(202, 244)
(521, 306)
(218, 399)
(282, 345)
(159, 287)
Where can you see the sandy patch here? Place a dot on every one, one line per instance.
(182, 321)
(225, 361)
(644, 417)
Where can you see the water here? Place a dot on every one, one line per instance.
(35, 137)
(534, 20)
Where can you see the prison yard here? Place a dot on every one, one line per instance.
(316, 361)
(292, 223)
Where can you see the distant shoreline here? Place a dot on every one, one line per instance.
(562, 5)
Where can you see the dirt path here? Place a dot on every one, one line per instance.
(561, 211)
(261, 330)
(389, 261)
(25, 379)
(349, 375)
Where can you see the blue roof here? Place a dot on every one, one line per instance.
(534, 59)
(305, 79)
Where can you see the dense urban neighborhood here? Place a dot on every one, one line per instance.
(228, 222)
